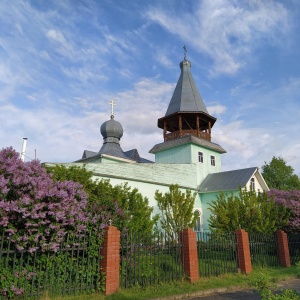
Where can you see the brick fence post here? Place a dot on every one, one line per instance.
(283, 249)
(190, 254)
(110, 262)
(243, 251)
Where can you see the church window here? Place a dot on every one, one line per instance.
(252, 184)
(200, 157)
(198, 226)
(212, 160)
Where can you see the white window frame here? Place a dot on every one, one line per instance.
(213, 160)
(200, 157)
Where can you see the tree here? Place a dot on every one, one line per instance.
(291, 200)
(250, 211)
(176, 210)
(278, 175)
(134, 211)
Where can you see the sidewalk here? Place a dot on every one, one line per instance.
(248, 294)
(232, 293)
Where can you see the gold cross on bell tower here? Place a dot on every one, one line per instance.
(112, 102)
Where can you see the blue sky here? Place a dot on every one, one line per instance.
(62, 61)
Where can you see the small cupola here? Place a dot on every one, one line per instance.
(111, 130)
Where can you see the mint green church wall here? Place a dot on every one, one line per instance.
(147, 190)
(188, 154)
(176, 155)
(206, 199)
(204, 168)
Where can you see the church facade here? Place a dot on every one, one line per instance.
(187, 156)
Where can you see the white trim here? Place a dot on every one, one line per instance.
(118, 158)
(200, 154)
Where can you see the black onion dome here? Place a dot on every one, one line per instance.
(111, 128)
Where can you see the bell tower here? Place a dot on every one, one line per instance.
(187, 127)
(186, 114)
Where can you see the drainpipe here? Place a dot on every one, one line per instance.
(23, 149)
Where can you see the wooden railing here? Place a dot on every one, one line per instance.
(177, 134)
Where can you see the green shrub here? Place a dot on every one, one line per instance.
(266, 288)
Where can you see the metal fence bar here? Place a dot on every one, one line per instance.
(149, 259)
(263, 250)
(216, 254)
(62, 272)
(294, 247)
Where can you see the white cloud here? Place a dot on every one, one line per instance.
(83, 74)
(58, 135)
(56, 36)
(60, 101)
(216, 109)
(139, 108)
(6, 75)
(164, 60)
(227, 31)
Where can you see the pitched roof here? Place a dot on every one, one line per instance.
(112, 150)
(226, 181)
(134, 154)
(88, 154)
(186, 97)
(184, 140)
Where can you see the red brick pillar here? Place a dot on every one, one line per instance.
(283, 249)
(110, 262)
(190, 254)
(243, 251)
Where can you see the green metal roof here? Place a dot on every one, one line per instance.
(185, 140)
(186, 97)
(227, 181)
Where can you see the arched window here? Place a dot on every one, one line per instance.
(198, 226)
(252, 184)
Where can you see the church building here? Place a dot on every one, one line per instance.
(187, 156)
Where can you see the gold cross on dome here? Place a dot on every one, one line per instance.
(112, 102)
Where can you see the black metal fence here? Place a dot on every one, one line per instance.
(263, 250)
(294, 247)
(73, 269)
(216, 254)
(146, 260)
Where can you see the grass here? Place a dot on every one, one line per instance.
(183, 287)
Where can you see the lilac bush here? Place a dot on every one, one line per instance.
(291, 200)
(35, 211)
